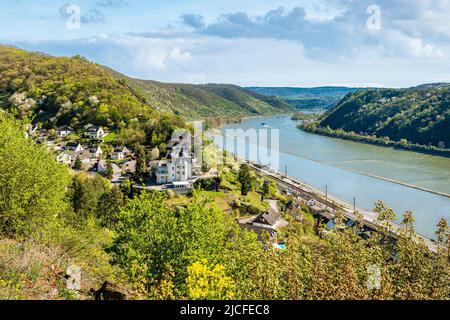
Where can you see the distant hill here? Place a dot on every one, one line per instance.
(207, 100)
(307, 98)
(61, 90)
(432, 85)
(420, 115)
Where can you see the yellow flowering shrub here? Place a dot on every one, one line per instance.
(208, 283)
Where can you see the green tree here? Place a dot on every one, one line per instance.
(403, 142)
(154, 139)
(265, 192)
(131, 135)
(109, 171)
(85, 192)
(109, 206)
(246, 179)
(32, 183)
(147, 240)
(385, 215)
(126, 188)
(408, 223)
(141, 163)
(153, 239)
(442, 231)
(78, 165)
(52, 133)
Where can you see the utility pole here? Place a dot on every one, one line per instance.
(354, 205)
(285, 171)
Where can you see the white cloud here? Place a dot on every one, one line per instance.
(409, 28)
(179, 56)
(395, 42)
(143, 55)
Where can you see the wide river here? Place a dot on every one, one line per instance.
(341, 166)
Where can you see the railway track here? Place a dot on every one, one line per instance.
(369, 218)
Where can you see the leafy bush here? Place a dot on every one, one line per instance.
(32, 183)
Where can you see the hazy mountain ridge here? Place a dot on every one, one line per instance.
(307, 98)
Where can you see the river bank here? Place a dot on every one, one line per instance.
(382, 142)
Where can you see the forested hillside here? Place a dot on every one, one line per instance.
(419, 115)
(66, 91)
(73, 91)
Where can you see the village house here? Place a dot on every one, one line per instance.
(74, 146)
(73, 150)
(315, 206)
(86, 157)
(100, 166)
(65, 158)
(64, 132)
(94, 132)
(129, 167)
(175, 168)
(267, 222)
(311, 202)
(269, 219)
(119, 153)
(96, 152)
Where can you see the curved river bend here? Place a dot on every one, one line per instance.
(345, 168)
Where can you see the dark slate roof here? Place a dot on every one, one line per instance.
(65, 128)
(93, 129)
(72, 145)
(96, 166)
(271, 216)
(120, 149)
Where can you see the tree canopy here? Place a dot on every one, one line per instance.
(32, 183)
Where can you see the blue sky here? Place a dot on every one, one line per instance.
(246, 42)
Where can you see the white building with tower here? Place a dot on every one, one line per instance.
(179, 163)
